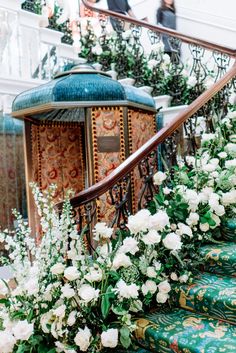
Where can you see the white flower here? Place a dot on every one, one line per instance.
(209, 82)
(109, 338)
(204, 227)
(101, 231)
(174, 276)
(32, 286)
(149, 287)
(172, 241)
(151, 272)
(192, 219)
(183, 278)
(164, 287)
(71, 273)
(157, 265)
(57, 269)
(97, 49)
(60, 311)
(151, 238)
(159, 221)
(129, 245)
(82, 339)
(72, 318)
(222, 155)
(157, 47)
(23, 330)
(219, 210)
(208, 137)
(139, 222)
(158, 178)
(230, 164)
(67, 291)
(166, 191)
(166, 59)
(121, 260)
(192, 198)
(152, 63)
(216, 219)
(7, 342)
(192, 81)
(231, 149)
(183, 229)
(87, 293)
(3, 288)
(162, 297)
(229, 198)
(127, 291)
(94, 275)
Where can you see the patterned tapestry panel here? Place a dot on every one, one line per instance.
(142, 126)
(108, 150)
(57, 157)
(12, 172)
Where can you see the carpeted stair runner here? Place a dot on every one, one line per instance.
(204, 320)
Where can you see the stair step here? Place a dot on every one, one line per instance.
(185, 332)
(211, 294)
(220, 258)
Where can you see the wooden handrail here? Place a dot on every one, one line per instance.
(132, 161)
(185, 38)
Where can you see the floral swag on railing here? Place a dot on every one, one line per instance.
(63, 298)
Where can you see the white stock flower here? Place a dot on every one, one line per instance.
(172, 241)
(7, 342)
(161, 297)
(109, 338)
(151, 238)
(164, 287)
(159, 221)
(139, 222)
(149, 287)
(82, 339)
(72, 318)
(67, 291)
(127, 291)
(23, 330)
(60, 311)
(71, 273)
(121, 260)
(192, 81)
(101, 231)
(129, 245)
(151, 272)
(158, 178)
(87, 293)
(57, 269)
(183, 229)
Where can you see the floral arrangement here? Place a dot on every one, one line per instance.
(65, 299)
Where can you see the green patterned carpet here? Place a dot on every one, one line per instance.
(204, 320)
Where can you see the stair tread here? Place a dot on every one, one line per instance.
(184, 331)
(220, 258)
(212, 294)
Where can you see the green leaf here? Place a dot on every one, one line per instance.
(118, 310)
(105, 303)
(125, 337)
(21, 348)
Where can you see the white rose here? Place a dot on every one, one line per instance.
(222, 155)
(151, 272)
(95, 275)
(230, 164)
(219, 210)
(228, 198)
(109, 338)
(139, 222)
(67, 291)
(162, 297)
(172, 241)
(71, 273)
(183, 229)
(129, 245)
(158, 178)
(149, 287)
(121, 260)
(151, 238)
(183, 278)
(164, 287)
(82, 339)
(7, 342)
(57, 269)
(192, 219)
(87, 293)
(204, 227)
(127, 291)
(60, 311)
(23, 330)
(72, 318)
(159, 221)
(174, 276)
